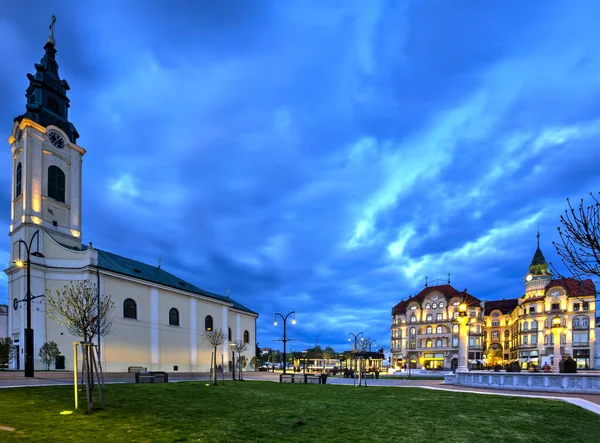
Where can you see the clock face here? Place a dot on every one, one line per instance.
(529, 277)
(56, 140)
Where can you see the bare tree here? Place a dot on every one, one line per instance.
(215, 339)
(240, 347)
(579, 246)
(81, 310)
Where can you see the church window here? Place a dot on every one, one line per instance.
(129, 309)
(173, 317)
(229, 333)
(246, 337)
(56, 184)
(438, 330)
(18, 180)
(208, 323)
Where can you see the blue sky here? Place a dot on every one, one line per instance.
(321, 156)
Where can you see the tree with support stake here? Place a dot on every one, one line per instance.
(215, 339)
(240, 347)
(85, 314)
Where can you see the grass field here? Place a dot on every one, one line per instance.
(265, 411)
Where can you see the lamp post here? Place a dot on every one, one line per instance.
(232, 346)
(556, 330)
(354, 345)
(304, 361)
(285, 339)
(28, 330)
(463, 334)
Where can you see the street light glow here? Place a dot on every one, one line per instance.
(20, 263)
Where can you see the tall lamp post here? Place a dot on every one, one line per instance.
(355, 344)
(304, 365)
(285, 339)
(232, 346)
(463, 335)
(28, 330)
(557, 331)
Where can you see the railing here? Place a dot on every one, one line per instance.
(581, 344)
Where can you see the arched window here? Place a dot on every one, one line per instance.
(584, 322)
(428, 330)
(495, 334)
(56, 184)
(173, 317)
(428, 344)
(434, 306)
(534, 325)
(229, 334)
(208, 323)
(441, 304)
(506, 334)
(246, 337)
(427, 306)
(526, 326)
(413, 331)
(576, 322)
(455, 329)
(438, 330)
(18, 176)
(438, 343)
(129, 309)
(429, 317)
(413, 319)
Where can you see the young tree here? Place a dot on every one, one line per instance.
(215, 339)
(81, 310)
(240, 347)
(579, 246)
(48, 353)
(8, 351)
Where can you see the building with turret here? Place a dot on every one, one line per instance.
(424, 333)
(159, 320)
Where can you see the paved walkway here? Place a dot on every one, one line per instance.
(591, 402)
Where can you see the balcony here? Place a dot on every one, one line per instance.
(581, 344)
(580, 327)
(527, 346)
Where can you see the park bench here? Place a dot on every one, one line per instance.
(136, 369)
(302, 378)
(151, 377)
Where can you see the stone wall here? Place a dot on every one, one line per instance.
(528, 381)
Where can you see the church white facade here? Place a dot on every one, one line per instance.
(159, 320)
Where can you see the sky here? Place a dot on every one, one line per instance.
(321, 156)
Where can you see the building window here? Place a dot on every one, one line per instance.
(576, 322)
(246, 337)
(455, 341)
(576, 306)
(56, 184)
(427, 306)
(429, 317)
(441, 304)
(525, 326)
(495, 323)
(438, 316)
(586, 306)
(438, 343)
(455, 315)
(18, 177)
(413, 331)
(434, 306)
(534, 339)
(438, 330)
(413, 319)
(555, 306)
(129, 309)
(506, 334)
(455, 329)
(532, 310)
(208, 323)
(472, 313)
(229, 334)
(495, 334)
(428, 344)
(534, 325)
(428, 330)
(173, 317)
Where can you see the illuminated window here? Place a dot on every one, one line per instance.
(413, 319)
(438, 343)
(441, 304)
(129, 309)
(434, 306)
(427, 306)
(208, 323)
(413, 331)
(495, 334)
(429, 317)
(428, 344)
(506, 334)
(18, 175)
(526, 326)
(56, 184)
(438, 330)
(173, 317)
(455, 329)
(246, 337)
(495, 323)
(534, 325)
(428, 331)
(438, 316)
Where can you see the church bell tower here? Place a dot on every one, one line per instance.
(46, 161)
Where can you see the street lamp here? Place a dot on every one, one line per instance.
(556, 330)
(463, 334)
(285, 339)
(28, 330)
(232, 346)
(304, 360)
(354, 345)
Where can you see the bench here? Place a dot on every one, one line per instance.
(151, 377)
(136, 369)
(302, 378)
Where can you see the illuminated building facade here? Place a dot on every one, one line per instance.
(424, 334)
(159, 320)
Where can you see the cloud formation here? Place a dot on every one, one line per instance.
(322, 157)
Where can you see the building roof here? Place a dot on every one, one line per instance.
(505, 306)
(447, 292)
(133, 268)
(574, 287)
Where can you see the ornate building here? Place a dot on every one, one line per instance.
(424, 333)
(159, 319)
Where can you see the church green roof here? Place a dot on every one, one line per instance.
(136, 269)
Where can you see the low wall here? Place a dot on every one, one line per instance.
(528, 381)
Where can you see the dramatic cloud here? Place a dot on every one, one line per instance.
(322, 157)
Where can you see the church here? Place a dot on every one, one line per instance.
(159, 320)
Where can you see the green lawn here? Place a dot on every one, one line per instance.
(266, 411)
